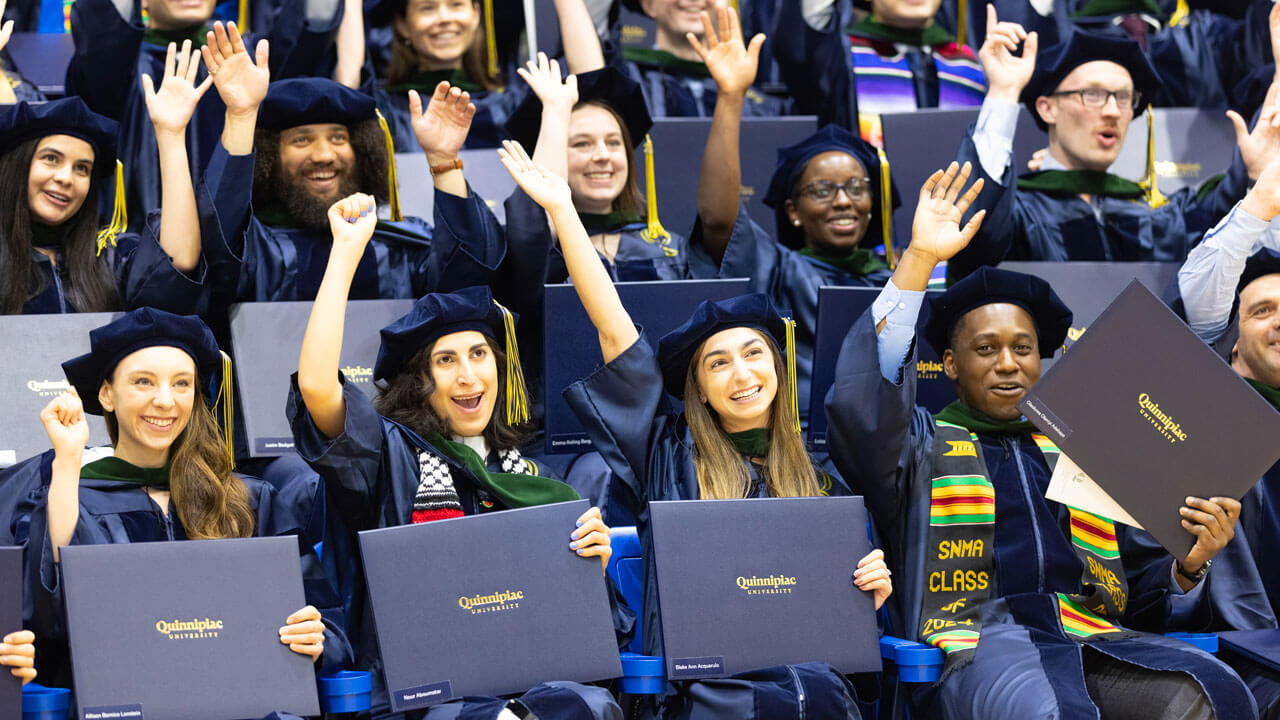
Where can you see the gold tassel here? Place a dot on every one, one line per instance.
(1180, 14)
(790, 324)
(1152, 193)
(226, 401)
(392, 182)
(242, 21)
(517, 394)
(962, 22)
(886, 209)
(491, 39)
(736, 9)
(119, 216)
(654, 232)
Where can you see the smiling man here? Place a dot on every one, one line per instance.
(307, 143)
(1023, 595)
(1085, 93)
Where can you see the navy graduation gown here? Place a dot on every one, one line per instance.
(1024, 665)
(371, 472)
(144, 275)
(1034, 225)
(791, 281)
(111, 55)
(113, 512)
(253, 261)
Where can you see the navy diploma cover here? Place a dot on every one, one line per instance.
(487, 605)
(1153, 415)
(186, 630)
(745, 584)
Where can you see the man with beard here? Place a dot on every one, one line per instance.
(1084, 92)
(1025, 596)
(318, 142)
(115, 47)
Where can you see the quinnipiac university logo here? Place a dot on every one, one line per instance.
(496, 602)
(193, 629)
(767, 585)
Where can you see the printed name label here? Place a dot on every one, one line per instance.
(112, 712)
(422, 695)
(697, 667)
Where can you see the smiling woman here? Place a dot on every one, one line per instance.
(442, 439)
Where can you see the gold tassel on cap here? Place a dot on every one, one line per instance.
(392, 183)
(119, 216)
(1152, 193)
(491, 39)
(226, 402)
(242, 19)
(962, 22)
(654, 232)
(886, 209)
(790, 324)
(1180, 14)
(517, 394)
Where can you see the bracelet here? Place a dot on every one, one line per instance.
(454, 164)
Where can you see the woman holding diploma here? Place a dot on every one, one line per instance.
(441, 441)
(740, 438)
(156, 379)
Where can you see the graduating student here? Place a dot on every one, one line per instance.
(829, 194)
(452, 41)
(441, 441)
(1084, 92)
(676, 82)
(56, 162)
(896, 59)
(114, 48)
(738, 437)
(306, 143)
(1024, 595)
(156, 377)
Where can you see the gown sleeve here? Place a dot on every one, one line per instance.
(148, 278)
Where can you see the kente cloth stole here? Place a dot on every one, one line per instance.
(960, 552)
(886, 83)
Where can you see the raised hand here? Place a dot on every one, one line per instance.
(1213, 523)
(303, 632)
(442, 129)
(545, 187)
(1263, 200)
(18, 650)
(5, 30)
(352, 220)
(1260, 145)
(936, 231)
(1273, 21)
(543, 76)
(65, 423)
(873, 576)
(1007, 74)
(591, 538)
(240, 80)
(171, 106)
(731, 64)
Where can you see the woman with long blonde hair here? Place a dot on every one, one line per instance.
(738, 436)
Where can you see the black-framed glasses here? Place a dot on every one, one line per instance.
(1096, 97)
(824, 191)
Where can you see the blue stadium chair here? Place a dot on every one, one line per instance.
(641, 674)
(45, 703)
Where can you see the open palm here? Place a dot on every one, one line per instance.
(240, 80)
(442, 128)
(171, 106)
(545, 187)
(936, 228)
(731, 63)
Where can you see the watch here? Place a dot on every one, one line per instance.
(1196, 576)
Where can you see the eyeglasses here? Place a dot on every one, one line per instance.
(824, 191)
(1097, 98)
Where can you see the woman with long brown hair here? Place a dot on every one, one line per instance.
(155, 377)
(738, 436)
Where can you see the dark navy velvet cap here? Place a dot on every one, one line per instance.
(676, 348)
(142, 328)
(606, 86)
(431, 317)
(1056, 62)
(988, 285)
(793, 160)
(1264, 262)
(305, 101)
(69, 116)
